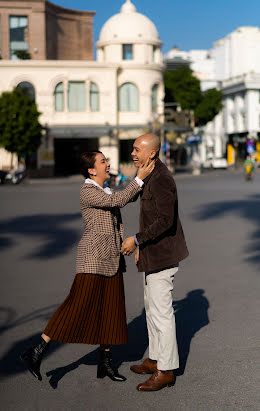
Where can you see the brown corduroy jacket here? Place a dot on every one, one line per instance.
(161, 239)
(99, 248)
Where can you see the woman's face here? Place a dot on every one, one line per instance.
(101, 167)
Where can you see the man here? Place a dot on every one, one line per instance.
(161, 246)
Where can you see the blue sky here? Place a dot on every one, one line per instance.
(189, 24)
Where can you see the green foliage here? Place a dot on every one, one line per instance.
(182, 87)
(209, 106)
(20, 130)
(22, 54)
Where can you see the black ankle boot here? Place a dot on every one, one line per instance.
(105, 367)
(32, 358)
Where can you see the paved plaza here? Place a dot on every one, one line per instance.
(216, 300)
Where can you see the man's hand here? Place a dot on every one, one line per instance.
(137, 256)
(128, 246)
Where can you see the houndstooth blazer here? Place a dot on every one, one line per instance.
(99, 248)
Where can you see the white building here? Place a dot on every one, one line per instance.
(234, 66)
(237, 58)
(237, 53)
(202, 62)
(101, 104)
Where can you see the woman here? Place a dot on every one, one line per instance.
(94, 310)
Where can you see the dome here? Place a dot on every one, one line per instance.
(128, 26)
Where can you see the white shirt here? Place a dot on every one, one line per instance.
(107, 189)
(90, 181)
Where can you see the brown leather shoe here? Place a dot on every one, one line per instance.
(157, 381)
(147, 367)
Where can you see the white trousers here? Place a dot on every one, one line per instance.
(158, 288)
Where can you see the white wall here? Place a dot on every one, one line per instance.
(237, 53)
(242, 104)
(45, 75)
(6, 159)
(253, 114)
(202, 62)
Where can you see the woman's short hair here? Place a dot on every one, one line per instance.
(87, 160)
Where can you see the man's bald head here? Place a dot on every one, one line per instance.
(145, 146)
(150, 139)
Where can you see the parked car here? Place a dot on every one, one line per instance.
(219, 162)
(14, 177)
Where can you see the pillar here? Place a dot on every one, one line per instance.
(109, 147)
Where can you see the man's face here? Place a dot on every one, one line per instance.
(141, 152)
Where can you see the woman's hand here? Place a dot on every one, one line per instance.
(128, 246)
(137, 256)
(145, 169)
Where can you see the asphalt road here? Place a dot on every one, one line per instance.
(216, 300)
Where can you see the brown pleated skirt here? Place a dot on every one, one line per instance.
(93, 312)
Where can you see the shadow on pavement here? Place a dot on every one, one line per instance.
(9, 317)
(191, 315)
(132, 351)
(9, 363)
(248, 209)
(49, 228)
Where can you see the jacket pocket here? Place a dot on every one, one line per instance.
(146, 196)
(104, 246)
(147, 201)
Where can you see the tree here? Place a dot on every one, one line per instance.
(20, 130)
(22, 54)
(209, 106)
(182, 87)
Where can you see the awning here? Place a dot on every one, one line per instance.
(88, 131)
(78, 131)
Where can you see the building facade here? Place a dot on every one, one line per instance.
(102, 104)
(202, 62)
(233, 65)
(237, 66)
(45, 31)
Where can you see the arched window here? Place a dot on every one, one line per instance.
(93, 97)
(59, 97)
(128, 97)
(76, 96)
(154, 97)
(28, 89)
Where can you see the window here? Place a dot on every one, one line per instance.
(154, 52)
(154, 97)
(28, 89)
(128, 97)
(76, 96)
(127, 52)
(93, 97)
(18, 35)
(59, 97)
(103, 53)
